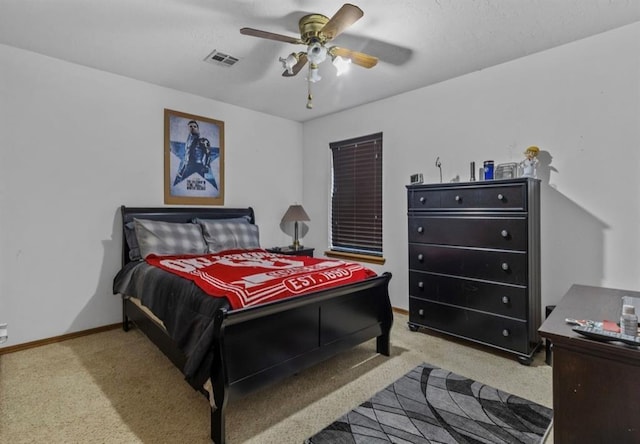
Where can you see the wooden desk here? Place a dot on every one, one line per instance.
(596, 385)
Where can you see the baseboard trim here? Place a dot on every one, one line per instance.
(400, 311)
(41, 342)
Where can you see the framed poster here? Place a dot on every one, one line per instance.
(193, 159)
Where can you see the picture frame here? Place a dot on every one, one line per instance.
(193, 159)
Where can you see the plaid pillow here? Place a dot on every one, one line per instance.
(168, 238)
(130, 236)
(227, 234)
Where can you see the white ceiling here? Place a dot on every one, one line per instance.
(418, 42)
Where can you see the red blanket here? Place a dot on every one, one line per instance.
(252, 277)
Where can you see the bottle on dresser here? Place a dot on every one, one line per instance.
(629, 321)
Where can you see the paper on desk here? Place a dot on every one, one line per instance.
(610, 326)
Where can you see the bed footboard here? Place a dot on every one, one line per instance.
(263, 345)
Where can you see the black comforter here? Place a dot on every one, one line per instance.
(186, 311)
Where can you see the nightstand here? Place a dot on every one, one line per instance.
(291, 252)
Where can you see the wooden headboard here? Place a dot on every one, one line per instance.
(177, 215)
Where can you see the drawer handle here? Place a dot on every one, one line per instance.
(505, 266)
(420, 229)
(422, 199)
(500, 196)
(458, 198)
(421, 312)
(420, 284)
(504, 233)
(505, 299)
(505, 332)
(420, 257)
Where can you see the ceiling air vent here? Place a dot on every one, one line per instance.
(221, 59)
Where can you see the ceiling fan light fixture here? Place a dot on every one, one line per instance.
(316, 30)
(289, 62)
(316, 53)
(341, 64)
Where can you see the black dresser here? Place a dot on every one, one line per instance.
(474, 262)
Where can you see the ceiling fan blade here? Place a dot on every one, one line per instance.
(302, 60)
(358, 58)
(269, 35)
(346, 16)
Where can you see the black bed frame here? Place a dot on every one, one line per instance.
(258, 346)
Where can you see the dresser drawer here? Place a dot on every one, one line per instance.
(501, 197)
(494, 197)
(419, 199)
(504, 300)
(492, 265)
(498, 331)
(497, 197)
(508, 233)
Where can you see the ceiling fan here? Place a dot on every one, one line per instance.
(316, 30)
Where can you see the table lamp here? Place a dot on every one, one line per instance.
(294, 214)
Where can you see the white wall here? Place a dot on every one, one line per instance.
(77, 143)
(580, 103)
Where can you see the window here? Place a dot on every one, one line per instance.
(356, 198)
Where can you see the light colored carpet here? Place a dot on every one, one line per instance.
(116, 387)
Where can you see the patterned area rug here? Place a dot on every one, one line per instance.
(431, 405)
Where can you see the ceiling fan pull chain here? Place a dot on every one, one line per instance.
(309, 96)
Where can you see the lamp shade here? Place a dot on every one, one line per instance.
(341, 64)
(290, 62)
(295, 213)
(316, 53)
